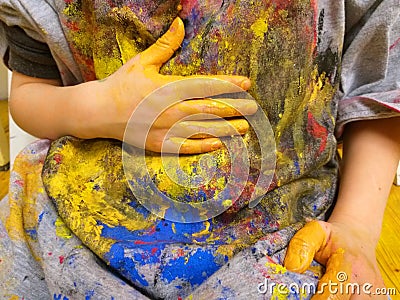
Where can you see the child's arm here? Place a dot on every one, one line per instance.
(102, 108)
(371, 155)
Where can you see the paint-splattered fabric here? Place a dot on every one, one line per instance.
(77, 231)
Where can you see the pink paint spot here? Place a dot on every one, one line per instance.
(19, 182)
(50, 253)
(395, 44)
(61, 258)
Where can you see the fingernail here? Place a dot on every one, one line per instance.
(245, 84)
(216, 145)
(174, 25)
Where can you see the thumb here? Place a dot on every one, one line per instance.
(303, 246)
(336, 274)
(162, 50)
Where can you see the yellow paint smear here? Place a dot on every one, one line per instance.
(276, 268)
(83, 206)
(62, 230)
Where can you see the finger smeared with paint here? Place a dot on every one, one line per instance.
(336, 275)
(162, 50)
(304, 245)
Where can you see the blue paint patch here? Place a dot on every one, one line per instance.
(137, 206)
(227, 293)
(59, 297)
(126, 265)
(200, 266)
(71, 258)
(134, 249)
(89, 295)
(32, 233)
(163, 233)
(41, 216)
(297, 166)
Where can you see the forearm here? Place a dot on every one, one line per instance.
(47, 110)
(370, 157)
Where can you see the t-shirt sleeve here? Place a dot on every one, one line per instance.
(28, 56)
(370, 77)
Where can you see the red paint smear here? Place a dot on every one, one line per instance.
(270, 259)
(317, 131)
(187, 7)
(279, 4)
(19, 182)
(73, 26)
(395, 44)
(180, 253)
(61, 258)
(152, 230)
(154, 250)
(58, 158)
(314, 7)
(142, 243)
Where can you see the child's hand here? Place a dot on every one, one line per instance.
(127, 87)
(346, 250)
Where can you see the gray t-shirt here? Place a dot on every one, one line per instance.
(28, 56)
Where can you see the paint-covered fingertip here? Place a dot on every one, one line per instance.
(176, 25)
(245, 84)
(294, 264)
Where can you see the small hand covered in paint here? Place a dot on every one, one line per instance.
(165, 126)
(348, 253)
